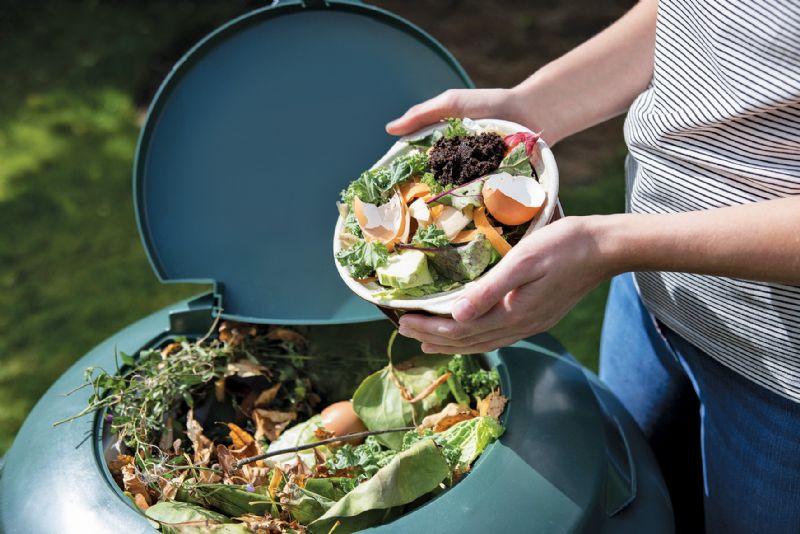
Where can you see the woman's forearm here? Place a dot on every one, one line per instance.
(594, 82)
(759, 241)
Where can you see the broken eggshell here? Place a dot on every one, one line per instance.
(442, 303)
(513, 200)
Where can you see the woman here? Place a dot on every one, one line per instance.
(711, 318)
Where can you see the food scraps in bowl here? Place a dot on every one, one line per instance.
(440, 210)
(235, 432)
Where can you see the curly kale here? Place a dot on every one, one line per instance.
(364, 459)
(375, 185)
(468, 378)
(363, 258)
(431, 236)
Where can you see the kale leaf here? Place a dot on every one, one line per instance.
(363, 258)
(364, 459)
(431, 236)
(375, 186)
(469, 378)
(455, 128)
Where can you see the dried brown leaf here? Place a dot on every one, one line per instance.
(172, 348)
(450, 415)
(266, 524)
(141, 502)
(492, 405)
(169, 488)
(201, 444)
(286, 334)
(240, 437)
(255, 475)
(209, 477)
(246, 369)
(270, 423)
(266, 397)
(133, 484)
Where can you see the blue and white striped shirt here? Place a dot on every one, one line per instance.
(720, 126)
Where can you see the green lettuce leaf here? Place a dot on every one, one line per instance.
(363, 258)
(410, 475)
(378, 403)
(516, 162)
(471, 437)
(229, 499)
(184, 518)
(305, 505)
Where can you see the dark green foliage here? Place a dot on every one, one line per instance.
(470, 378)
(431, 236)
(362, 460)
(363, 258)
(375, 186)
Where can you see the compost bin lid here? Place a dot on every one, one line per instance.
(251, 138)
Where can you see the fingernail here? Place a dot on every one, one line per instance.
(403, 331)
(463, 310)
(391, 123)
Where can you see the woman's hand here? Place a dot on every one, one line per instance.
(528, 292)
(472, 103)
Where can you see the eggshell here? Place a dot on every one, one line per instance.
(511, 199)
(339, 419)
(388, 223)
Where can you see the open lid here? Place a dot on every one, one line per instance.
(253, 135)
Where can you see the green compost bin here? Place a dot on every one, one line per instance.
(249, 141)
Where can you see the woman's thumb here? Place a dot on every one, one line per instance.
(437, 108)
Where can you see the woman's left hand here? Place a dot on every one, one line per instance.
(527, 292)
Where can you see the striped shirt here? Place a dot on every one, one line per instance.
(719, 125)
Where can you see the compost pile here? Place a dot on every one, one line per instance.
(442, 212)
(254, 388)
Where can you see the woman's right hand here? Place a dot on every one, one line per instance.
(472, 103)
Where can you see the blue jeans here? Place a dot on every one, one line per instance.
(729, 449)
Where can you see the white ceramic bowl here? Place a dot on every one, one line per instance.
(442, 303)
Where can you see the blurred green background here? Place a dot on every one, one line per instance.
(76, 81)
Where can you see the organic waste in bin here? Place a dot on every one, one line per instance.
(268, 459)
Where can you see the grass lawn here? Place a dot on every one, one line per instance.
(72, 269)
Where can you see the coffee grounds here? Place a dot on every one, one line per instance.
(458, 160)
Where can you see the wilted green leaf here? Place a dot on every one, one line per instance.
(378, 402)
(410, 475)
